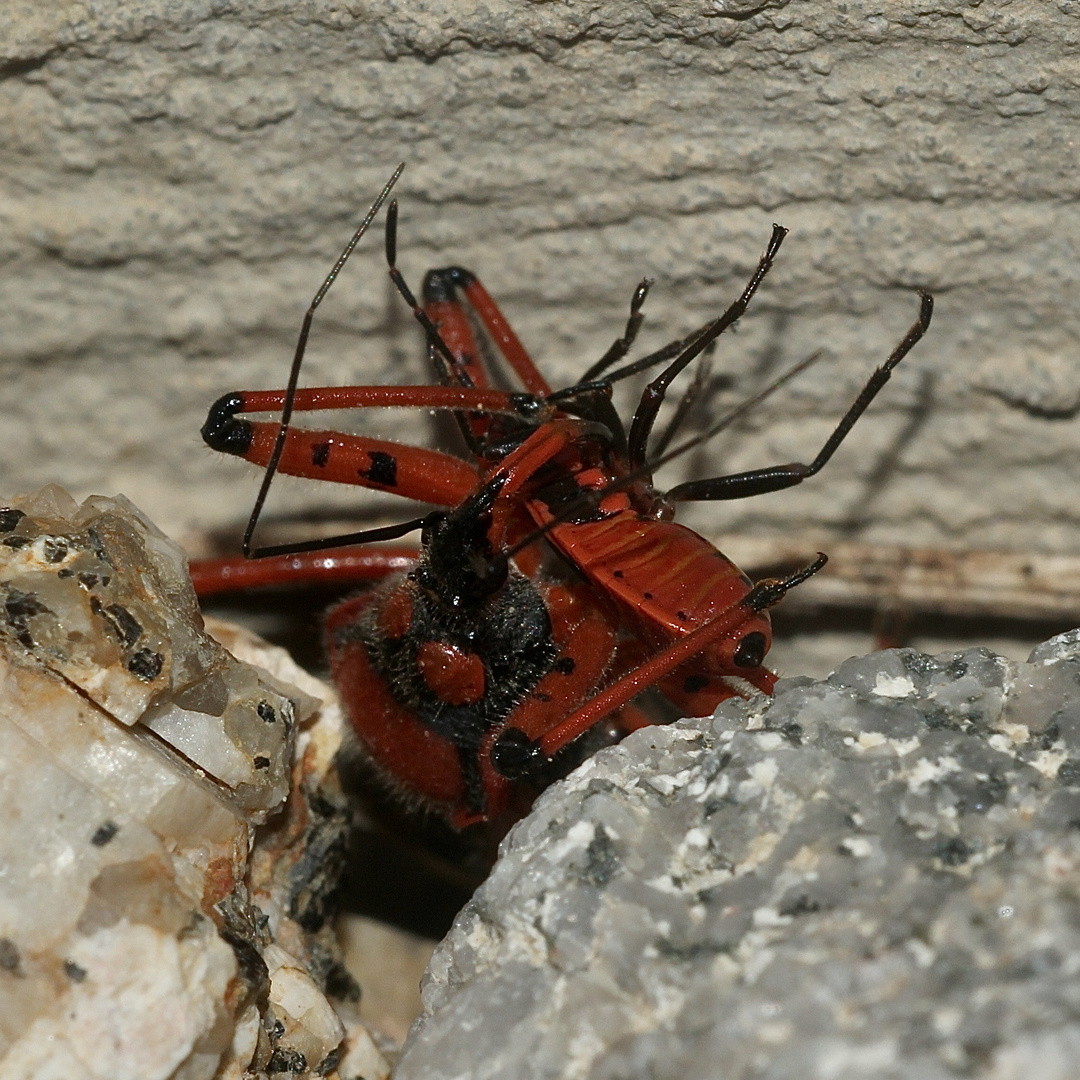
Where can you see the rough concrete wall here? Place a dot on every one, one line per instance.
(179, 174)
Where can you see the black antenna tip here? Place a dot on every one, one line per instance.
(926, 310)
(807, 572)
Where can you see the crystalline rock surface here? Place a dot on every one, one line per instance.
(160, 905)
(873, 876)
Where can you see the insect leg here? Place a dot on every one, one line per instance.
(694, 694)
(442, 291)
(691, 396)
(518, 467)
(514, 753)
(621, 346)
(440, 285)
(415, 473)
(344, 566)
(776, 477)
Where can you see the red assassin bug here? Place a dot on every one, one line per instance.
(474, 674)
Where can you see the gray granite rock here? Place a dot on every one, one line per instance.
(871, 876)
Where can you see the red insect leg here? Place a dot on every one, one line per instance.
(694, 694)
(763, 595)
(345, 566)
(508, 342)
(321, 398)
(691, 692)
(444, 311)
(413, 472)
(409, 471)
(520, 466)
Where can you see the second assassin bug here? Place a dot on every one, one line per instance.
(552, 586)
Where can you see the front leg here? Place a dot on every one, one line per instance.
(518, 753)
(412, 472)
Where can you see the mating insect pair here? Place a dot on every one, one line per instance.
(553, 587)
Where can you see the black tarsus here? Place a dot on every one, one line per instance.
(767, 593)
(777, 477)
(672, 348)
(653, 395)
(223, 431)
(515, 756)
(290, 393)
(621, 346)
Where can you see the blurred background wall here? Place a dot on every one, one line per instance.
(176, 177)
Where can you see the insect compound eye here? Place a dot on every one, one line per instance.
(750, 651)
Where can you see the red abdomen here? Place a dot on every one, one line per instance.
(668, 576)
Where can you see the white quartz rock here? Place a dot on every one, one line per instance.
(152, 927)
(103, 599)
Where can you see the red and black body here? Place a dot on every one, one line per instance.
(552, 586)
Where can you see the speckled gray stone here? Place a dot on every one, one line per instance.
(874, 876)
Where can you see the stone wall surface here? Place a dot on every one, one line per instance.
(178, 175)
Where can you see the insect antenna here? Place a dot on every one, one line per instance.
(294, 372)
